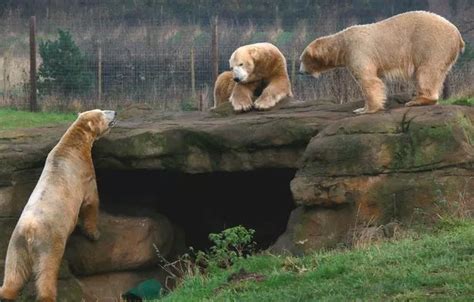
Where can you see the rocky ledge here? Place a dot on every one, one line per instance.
(401, 165)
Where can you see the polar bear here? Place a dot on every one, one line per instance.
(415, 44)
(65, 190)
(258, 73)
(225, 84)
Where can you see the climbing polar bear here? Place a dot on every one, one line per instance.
(66, 189)
(259, 78)
(419, 45)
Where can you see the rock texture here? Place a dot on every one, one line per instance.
(199, 142)
(384, 167)
(126, 243)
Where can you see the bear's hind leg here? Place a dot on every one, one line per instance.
(47, 270)
(47, 278)
(429, 81)
(17, 271)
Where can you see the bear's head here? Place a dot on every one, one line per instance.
(242, 63)
(316, 58)
(97, 122)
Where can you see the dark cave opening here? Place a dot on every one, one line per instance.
(203, 203)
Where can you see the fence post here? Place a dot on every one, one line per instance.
(48, 5)
(33, 102)
(293, 67)
(99, 73)
(6, 76)
(201, 102)
(215, 51)
(193, 75)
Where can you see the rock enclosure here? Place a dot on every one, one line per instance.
(303, 175)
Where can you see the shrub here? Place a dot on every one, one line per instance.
(63, 68)
(231, 244)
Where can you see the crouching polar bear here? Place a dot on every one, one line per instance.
(258, 74)
(416, 44)
(65, 190)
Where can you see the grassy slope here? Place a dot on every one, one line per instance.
(10, 119)
(435, 266)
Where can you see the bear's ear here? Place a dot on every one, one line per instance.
(254, 53)
(318, 49)
(93, 127)
(325, 49)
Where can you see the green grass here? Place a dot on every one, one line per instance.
(439, 266)
(459, 101)
(11, 119)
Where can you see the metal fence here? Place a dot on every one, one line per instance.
(169, 65)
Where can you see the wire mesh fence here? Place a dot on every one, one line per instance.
(166, 64)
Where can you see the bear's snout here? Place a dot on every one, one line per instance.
(236, 79)
(110, 117)
(302, 70)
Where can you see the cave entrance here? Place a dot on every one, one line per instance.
(203, 203)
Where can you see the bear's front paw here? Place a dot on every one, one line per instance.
(362, 110)
(93, 236)
(264, 104)
(367, 111)
(241, 105)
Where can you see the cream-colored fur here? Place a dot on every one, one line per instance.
(223, 88)
(66, 189)
(419, 45)
(258, 74)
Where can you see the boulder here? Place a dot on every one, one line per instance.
(125, 243)
(404, 165)
(14, 196)
(209, 142)
(6, 229)
(389, 164)
(312, 229)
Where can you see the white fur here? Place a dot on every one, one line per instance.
(302, 68)
(109, 115)
(240, 73)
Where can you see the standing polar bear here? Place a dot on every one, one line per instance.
(258, 73)
(66, 189)
(415, 44)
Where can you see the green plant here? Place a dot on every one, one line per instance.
(63, 68)
(230, 245)
(188, 105)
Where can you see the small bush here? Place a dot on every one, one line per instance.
(64, 67)
(231, 244)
